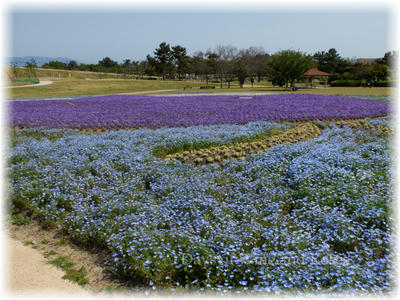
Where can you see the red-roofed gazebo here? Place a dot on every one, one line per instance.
(316, 73)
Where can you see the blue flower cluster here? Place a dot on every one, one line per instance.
(314, 216)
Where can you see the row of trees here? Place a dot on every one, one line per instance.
(224, 62)
(227, 63)
(342, 69)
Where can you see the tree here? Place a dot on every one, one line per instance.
(225, 67)
(288, 66)
(144, 67)
(377, 72)
(151, 66)
(224, 64)
(31, 68)
(330, 61)
(196, 64)
(388, 59)
(241, 72)
(107, 64)
(126, 63)
(72, 65)
(211, 64)
(256, 60)
(163, 59)
(55, 65)
(360, 71)
(128, 66)
(14, 70)
(180, 59)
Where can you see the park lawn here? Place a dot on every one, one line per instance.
(83, 87)
(78, 86)
(18, 83)
(49, 74)
(384, 91)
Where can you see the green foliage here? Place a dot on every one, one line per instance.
(389, 59)
(384, 83)
(288, 66)
(223, 61)
(14, 70)
(20, 220)
(162, 61)
(49, 253)
(62, 262)
(73, 65)
(61, 242)
(162, 151)
(238, 150)
(31, 68)
(33, 80)
(180, 59)
(377, 72)
(79, 276)
(346, 83)
(330, 61)
(242, 74)
(107, 63)
(55, 64)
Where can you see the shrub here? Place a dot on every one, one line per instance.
(33, 80)
(334, 77)
(384, 83)
(346, 83)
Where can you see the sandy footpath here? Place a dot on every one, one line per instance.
(29, 273)
(41, 83)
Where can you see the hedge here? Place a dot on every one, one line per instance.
(346, 83)
(381, 83)
(34, 80)
(384, 83)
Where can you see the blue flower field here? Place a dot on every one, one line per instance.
(313, 216)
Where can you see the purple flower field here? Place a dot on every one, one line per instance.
(128, 111)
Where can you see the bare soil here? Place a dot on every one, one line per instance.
(27, 247)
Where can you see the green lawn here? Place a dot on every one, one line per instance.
(81, 86)
(328, 91)
(46, 74)
(18, 83)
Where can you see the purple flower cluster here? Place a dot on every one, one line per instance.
(127, 111)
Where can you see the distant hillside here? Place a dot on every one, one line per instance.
(40, 60)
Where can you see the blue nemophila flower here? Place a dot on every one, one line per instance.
(313, 216)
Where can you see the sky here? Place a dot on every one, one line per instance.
(90, 36)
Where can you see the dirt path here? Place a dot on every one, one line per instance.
(28, 248)
(29, 273)
(44, 82)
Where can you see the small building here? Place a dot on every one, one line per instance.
(312, 73)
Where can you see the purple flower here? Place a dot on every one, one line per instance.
(127, 111)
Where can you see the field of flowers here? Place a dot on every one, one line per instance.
(309, 216)
(124, 111)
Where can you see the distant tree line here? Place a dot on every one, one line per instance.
(225, 64)
(357, 72)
